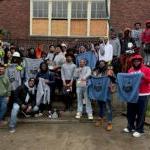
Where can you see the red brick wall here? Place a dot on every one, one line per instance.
(124, 13)
(15, 17)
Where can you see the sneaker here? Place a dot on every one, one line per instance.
(109, 127)
(126, 130)
(25, 115)
(12, 130)
(136, 134)
(38, 115)
(78, 115)
(90, 116)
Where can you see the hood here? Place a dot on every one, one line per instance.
(148, 21)
(137, 56)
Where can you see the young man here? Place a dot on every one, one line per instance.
(136, 34)
(67, 72)
(136, 111)
(24, 98)
(81, 74)
(106, 51)
(103, 70)
(4, 93)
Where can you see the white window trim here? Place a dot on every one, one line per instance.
(69, 16)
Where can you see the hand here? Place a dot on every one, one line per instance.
(23, 106)
(46, 81)
(29, 109)
(7, 98)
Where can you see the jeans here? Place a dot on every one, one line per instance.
(105, 107)
(82, 94)
(3, 107)
(136, 114)
(14, 113)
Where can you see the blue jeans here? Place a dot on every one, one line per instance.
(3, 107)
(14, 113)
(105, 107)
(82, 93)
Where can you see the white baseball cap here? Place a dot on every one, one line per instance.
(16, 54)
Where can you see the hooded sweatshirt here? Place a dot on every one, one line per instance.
(144, 88)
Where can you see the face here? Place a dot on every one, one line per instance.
(13, 50)
(31, 83)
(44, 67)
(2, 70)
(136, 62)
(82, 49)
(102, 64)
(52, 49)
(148, 25)
(113, 35)
(97, 47)
(137, 26)
(58, 50)
(82, 63)
(64, 48)
(69, 59)
(9, 55)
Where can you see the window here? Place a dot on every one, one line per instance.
(40, 9)
(79, 10)
(98, 9)
(59, 9)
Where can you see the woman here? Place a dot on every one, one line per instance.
(8, 58)
(44, 75)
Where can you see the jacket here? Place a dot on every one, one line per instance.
(145, 81)
(5, 87)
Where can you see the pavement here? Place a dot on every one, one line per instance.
(71, 134)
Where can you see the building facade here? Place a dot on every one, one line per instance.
(26, 19)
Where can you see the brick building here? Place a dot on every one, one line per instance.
(26, 19)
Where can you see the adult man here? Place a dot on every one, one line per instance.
(136, 34)
(24, 98)
(106, 51)
(136, 111)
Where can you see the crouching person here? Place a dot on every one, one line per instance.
(24, 99)
(81, 74)
(5, 91)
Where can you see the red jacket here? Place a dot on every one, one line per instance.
(146, 36)
(145, 81)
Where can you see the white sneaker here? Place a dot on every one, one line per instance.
(137, 134)
(126, 130)
(78, 115)
(38, 115)
(12, 130)
(90, 116)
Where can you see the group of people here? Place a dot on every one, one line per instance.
(29, 81)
